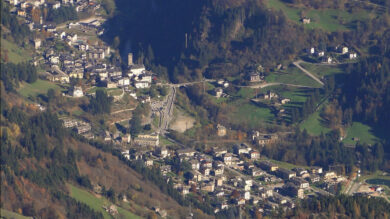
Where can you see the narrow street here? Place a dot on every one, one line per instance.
(167, 112)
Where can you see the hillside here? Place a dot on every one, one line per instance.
(38, 162)
(225, 109)
(219, 39)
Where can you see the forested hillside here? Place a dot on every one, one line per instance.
(220, 38)
(40, 157)
(187, 37)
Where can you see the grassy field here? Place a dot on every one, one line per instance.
(250, 114)
(327, 19)
(164, 141)
(322, 70)
(292, 75)
(246, 93)
(9, 214)
(361, 131)
(36, 88)
(96, 203)
(297, 96)
(112, 91)
(313, 125)
(15, 53)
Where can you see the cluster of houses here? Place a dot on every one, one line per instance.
(23, 8)
(220, 85)
(85, 60)
(235, 177)
(90, 63)
(340, 51)
(116, 137)
(275, 98)
(83, 128)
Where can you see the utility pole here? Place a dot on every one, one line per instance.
(186, 40)
(203, 86)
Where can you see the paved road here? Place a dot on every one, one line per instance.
(352, 186)
(297, 64)
(187, 83)
(273, 84)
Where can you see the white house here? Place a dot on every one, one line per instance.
(328, 60)
(72, 37)
(54, 59)
(311, 50)
(352, 55)
(144, 78)
(136, 70)
(247, 195)
(344, 50)
(62, 35)
(141, 84)
(83, 47)
(56, 5)
(77, 91)
(320, 53)
(37, 43)
(124, 82)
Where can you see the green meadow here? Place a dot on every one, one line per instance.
(97, 203)
(326, 19)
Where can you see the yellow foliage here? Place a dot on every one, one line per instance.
(15, 130)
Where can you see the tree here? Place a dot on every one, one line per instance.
(101, 103)
(135, 122)
(109, 6)
(116, 42)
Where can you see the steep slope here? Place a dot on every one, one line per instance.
(191, 36)
(39, 158)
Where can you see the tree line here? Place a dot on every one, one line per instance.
(62, 14)
(327, 150)
(342, 206)
(18, 31)
(12, 74)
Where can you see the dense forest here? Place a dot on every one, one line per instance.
(343, 207)
(26, 139)
(367, 90)
(327, 151)
(19, 32)
(100, 103)
(12, 74)
(191, 36)
(221, 38)
(62, 14)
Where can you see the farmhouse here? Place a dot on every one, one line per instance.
(263, 139)
(254, 77)
(305, 20)
(221, 130)
(218, 92)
